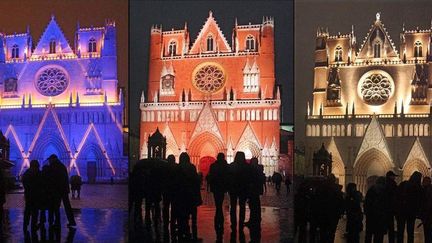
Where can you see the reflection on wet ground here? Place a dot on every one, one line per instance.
(100, 214)
(93, 225)
(277, 225)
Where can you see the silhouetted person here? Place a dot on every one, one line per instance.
(354, 213)
(375, 211)
(168, 194)
(288, 183)
(137, 191)
(255, 190)
(32, 189)
(46, 196)
(239, 178)
(217, 178)
(277, 180)
(408, 205)
(188, 198)
(390, 197)
(301, 211)
(329, 199)
(60, 177)
(153, 176)
(426, 209)
(76, 182)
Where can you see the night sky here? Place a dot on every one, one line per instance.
(338, 16)
(174, 14)
(16, 15)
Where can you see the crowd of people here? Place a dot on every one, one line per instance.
(177, 187)
(44, 191)
(319, 203)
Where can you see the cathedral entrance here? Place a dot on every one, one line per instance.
(91, 172)
(370, 166)
(204, 165)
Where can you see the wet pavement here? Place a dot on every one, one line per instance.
(100, 213)
(339, 238)
(276, 222)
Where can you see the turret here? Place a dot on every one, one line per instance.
(2, 48)
(155, 42)
(110, 39)
(321, 58)
(267, 36)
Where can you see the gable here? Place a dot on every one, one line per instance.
(210, 28)
(52, 32)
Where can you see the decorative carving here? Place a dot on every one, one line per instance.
(373, 139)
(209, 78)
(51, 81)
(376, 87)
(11, 85)
(206, 123)
(417, 153)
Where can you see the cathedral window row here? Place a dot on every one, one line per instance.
(407, 130)
(221, 115)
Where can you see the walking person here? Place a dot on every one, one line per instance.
(354, 213)
(32, 190)
(217, 179)
(390, 197)
(375, 211)
(239, 179)
(61, 179)
(288, 184)
(277, 180)
(426, 209)
(408, 195)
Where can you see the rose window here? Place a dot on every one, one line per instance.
(51, 82)
(209, 78)
(376, 89)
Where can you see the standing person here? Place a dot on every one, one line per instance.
(329, 199)
(46, 195)
(255, 190)
(239, 179)
(189, 198)
(375, 211)
(408, 205)
(217, 178)
(61, 178)
(277, 180)
(390, 197)
(76, 182)
(288, 183)
(32, 192)
(426, 209)
(168, 194)
(354, 213)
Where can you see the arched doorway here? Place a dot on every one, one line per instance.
(414, 165)
(92, 164)
(368, 167)
(205, 145)
(338, 170)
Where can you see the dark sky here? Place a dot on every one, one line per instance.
(16, 15)
(338, 16)
(174, 14)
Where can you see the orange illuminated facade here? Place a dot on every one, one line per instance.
(208, 96)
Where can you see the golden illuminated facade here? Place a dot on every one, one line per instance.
(371, 104)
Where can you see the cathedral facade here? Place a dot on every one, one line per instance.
(208, 96)
(55, 99)
(371, 104)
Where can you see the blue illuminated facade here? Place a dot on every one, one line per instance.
(63, 100)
